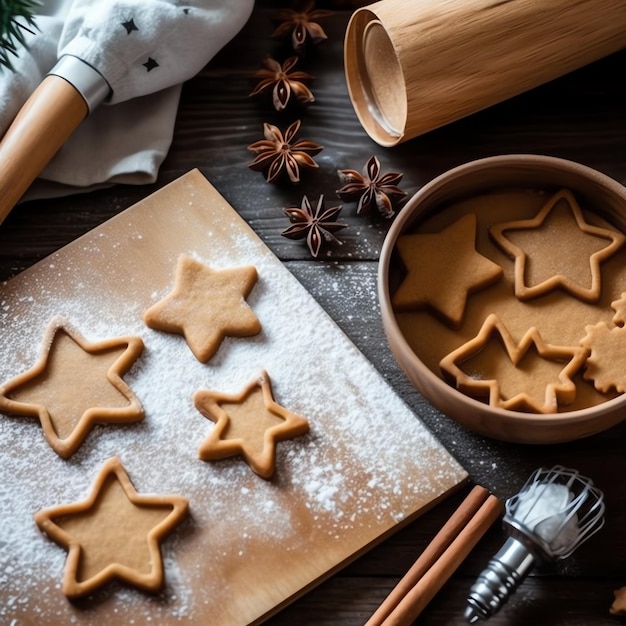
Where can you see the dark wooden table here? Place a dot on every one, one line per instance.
(581, 116)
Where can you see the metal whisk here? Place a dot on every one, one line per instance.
(555, 511)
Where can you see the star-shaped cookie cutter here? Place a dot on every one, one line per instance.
(31, 393)
(95, 559)
(526, 292)
(558, 393)
(257, 448)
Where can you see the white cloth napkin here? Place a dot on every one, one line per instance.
(145, 49)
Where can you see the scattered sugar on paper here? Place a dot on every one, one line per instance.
(366, 460)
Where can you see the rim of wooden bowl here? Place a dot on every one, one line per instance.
(472, 414)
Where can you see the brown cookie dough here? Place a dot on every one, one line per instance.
(619, 306)
(529, 376)
(74, 386)
(248, 424)
(541, 266)
(115, 533)
(206, 305)
(442, 270)
(605, 366)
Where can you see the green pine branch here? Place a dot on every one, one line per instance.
(16, 19)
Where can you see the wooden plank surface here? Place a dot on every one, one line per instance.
(366, 466)
(581, 116)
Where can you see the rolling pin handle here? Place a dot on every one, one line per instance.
(50, 115)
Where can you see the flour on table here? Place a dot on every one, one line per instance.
(366, 463)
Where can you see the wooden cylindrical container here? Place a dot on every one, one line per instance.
(415, 65)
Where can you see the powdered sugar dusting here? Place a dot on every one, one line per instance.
(366, 464)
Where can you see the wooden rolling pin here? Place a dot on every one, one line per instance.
(415, 65)
(76, 86)
(45, 122)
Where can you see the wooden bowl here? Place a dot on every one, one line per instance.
(502, 189)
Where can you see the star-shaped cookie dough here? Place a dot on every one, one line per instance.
(574, 268)
(206, 305)
(248, 424)
(115, 533)
(538, 391)
(74, 386)
(443, 269)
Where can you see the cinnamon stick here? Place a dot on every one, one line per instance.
(439, 560)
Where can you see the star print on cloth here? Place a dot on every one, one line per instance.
(130, 26)
(74, 386)
(541, 267)
(115, 533)
(529, 376)
(442, 270)
(150, 64)
(248, 424)
(143, 48)
(206, 305)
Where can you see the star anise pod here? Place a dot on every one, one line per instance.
(316, 225)
(283, 82)
(277, 153)
(301, 24)
(371, 188)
